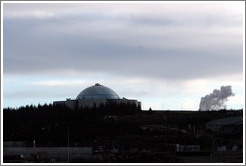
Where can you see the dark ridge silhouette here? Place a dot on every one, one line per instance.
(122, 126)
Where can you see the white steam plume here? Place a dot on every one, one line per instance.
(216, 100)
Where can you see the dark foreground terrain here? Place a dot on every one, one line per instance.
(121, 134)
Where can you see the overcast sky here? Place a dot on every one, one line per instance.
(167, 55)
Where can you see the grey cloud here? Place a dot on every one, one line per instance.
(138, 46)
(216, 100)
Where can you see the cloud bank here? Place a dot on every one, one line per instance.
(147, 50)
(126, 39)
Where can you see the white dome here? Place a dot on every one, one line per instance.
(97, 92)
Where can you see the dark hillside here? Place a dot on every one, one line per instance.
(124, 127)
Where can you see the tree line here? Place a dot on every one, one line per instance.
(49, 124)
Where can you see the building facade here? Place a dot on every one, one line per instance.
(94, 96)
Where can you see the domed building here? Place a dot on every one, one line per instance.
(97, 92)
(94, 96)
